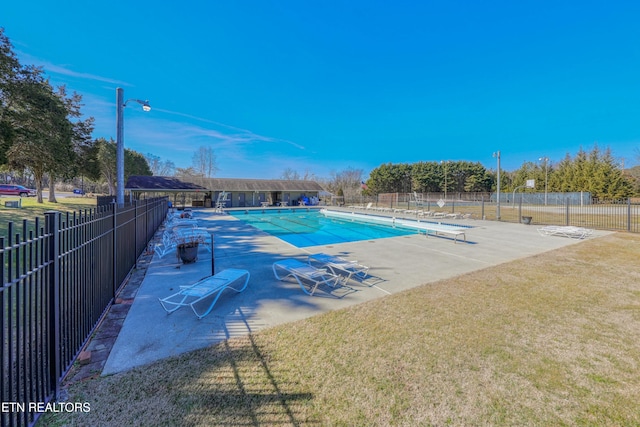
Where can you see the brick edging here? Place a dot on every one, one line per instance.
(94, 355)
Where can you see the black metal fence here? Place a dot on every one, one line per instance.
(577, 209)
(59, 277)
(622, 215)
(414, 199)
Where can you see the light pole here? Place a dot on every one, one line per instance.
(442, 162)
(546, 176)
(497, 155)
(120, 103)
(407, 179)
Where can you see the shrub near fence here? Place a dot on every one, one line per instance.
(59, 277)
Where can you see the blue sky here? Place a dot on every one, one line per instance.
(323, 86)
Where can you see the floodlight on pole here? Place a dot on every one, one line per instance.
(120, 103)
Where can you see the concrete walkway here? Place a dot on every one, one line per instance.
(149, 333)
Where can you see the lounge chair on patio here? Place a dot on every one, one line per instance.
(455, 215)
(205, 288)
(172, 238)
(565, 231)
(338, 265)
(306, 275)
(182, 223)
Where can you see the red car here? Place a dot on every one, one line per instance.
(16, 190)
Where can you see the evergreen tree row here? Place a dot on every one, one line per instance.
(595, 172)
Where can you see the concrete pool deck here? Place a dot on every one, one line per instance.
(149, 334)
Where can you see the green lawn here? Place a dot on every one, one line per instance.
(32, 209)
(549, 340)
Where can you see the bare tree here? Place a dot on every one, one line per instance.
(348, 180)
(204, 162)
(309, 176)
(159, 167)
(290, 175)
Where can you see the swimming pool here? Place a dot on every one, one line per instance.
(311, 228)
(303, 228)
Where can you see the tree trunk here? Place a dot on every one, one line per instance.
(52, 189)
(37, 176)
(112, 187)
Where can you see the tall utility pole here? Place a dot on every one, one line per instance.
(497, 155)
(119, 147)
(442, 162)
(546, 177)
(120, 104)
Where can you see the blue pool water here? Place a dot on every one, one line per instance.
(311, 228)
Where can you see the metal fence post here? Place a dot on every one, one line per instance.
(135, 232)
(114, 228)
(567, 212)
(52, 219)
(213, 258)
(628, 213)
(519, 209)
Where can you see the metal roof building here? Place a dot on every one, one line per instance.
(230, 192)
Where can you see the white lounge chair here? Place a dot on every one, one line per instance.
(204, 288)
(198, 234)
(306, 275)
(172, 238)
(182, 223)
(455, 215)
(337, 265)
(565, 231)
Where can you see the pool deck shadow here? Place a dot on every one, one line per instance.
(147, 333)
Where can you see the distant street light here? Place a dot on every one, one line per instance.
(120, 103)
(497, 155)
(546, 177)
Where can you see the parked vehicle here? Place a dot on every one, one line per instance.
(78, 191)
(16, 190)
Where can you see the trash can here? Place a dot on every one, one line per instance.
(527, 219)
